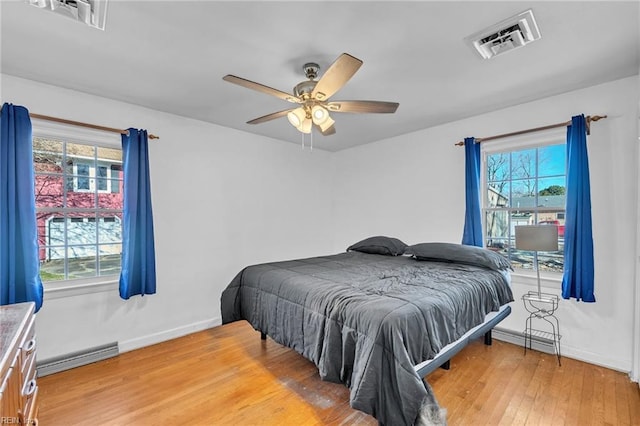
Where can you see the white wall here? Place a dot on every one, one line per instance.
(222, 199)
(635, 372)
(412, 187)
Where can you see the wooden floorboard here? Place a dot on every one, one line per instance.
(228, 376)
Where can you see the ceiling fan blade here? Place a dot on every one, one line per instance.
(328, 132)
(362, 106)
(336, 76)
(261, 88)
(269, 117)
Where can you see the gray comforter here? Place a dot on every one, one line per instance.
(365, 320)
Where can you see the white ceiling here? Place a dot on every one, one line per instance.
(171, 56)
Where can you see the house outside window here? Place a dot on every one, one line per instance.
(78, 193)
(524, 186)
(90, 177)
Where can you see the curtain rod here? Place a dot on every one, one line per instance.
(537, 129)
(81, 124)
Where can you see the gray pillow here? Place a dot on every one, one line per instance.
(379, 245)
(448, 252)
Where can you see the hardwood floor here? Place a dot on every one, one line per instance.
(228, 376)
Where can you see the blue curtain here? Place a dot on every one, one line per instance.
(577, 281)
(138, 275)
(472, 235)
(19, 262)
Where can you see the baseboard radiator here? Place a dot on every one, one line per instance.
(517, 338)
(77, 359)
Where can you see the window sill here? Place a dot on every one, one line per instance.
(552, 280)
(71, 288)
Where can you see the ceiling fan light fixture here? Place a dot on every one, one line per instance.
(306, 126)
(327, 124)
(297, 117)
(319, 114)
(312, 96)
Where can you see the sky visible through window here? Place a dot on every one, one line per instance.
(525, 187)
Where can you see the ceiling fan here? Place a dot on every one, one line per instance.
(313, 96)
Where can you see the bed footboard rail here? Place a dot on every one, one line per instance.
(425, 368)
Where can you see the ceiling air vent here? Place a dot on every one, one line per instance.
(91, 12)
(506, 35)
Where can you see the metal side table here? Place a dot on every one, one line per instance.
(542, 307)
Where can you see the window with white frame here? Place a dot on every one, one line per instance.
(89, 176)
(78, 193)
(524, 186)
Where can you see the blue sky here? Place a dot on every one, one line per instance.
(514, 174)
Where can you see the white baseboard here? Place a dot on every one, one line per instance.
(163, 336)
(546, 346)
(601, 361)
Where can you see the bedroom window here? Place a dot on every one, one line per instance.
(78, 193)
(524, 187)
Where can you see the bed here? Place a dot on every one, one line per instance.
(377, 320)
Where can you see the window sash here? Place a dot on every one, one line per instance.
(536, 211)
(87, 240)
